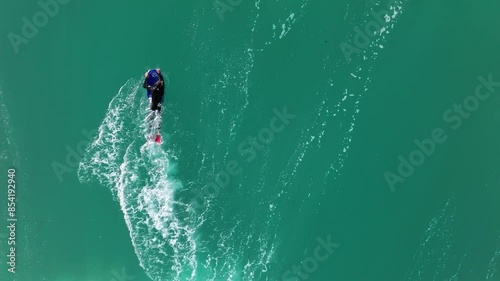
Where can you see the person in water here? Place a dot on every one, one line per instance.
(155, 91)
(155, 86)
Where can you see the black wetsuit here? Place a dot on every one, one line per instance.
(157, 92)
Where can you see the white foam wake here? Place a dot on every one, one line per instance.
(433, 255)
(139, 173)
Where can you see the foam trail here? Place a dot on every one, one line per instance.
(494, 263)
(10, 148)
(139, 173)
(101, 160)
(339, 102)
(433, 255)
(10, 158)
(358, 73)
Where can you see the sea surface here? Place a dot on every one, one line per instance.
(302, 140)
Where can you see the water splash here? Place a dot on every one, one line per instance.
(140, 175)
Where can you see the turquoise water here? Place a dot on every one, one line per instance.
(276, 145)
